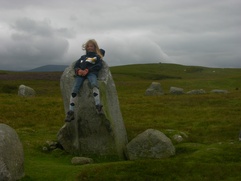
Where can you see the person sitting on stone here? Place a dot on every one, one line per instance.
(87, 67)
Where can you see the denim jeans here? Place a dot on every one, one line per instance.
(79, 80)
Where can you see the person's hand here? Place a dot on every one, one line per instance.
(85, 72)
(80, 72)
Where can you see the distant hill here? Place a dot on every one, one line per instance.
(49, 68)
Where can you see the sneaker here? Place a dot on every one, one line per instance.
(99, 108)
(70, 116)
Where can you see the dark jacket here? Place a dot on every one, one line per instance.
(90, 61)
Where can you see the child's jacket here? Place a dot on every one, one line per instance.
(90, 61)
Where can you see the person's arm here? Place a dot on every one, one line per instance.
(78, 66)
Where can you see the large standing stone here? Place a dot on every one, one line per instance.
(91, 133)
(11, 154)
(150, 144)
(26, 91)
(155, 89)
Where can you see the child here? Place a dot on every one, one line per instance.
(87, 67)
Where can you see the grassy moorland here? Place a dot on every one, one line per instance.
(211, 121)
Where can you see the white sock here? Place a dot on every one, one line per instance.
(96, 94)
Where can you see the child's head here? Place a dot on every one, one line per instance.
(92, 46)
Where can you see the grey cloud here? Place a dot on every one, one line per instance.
(187, 32)
(16, 4)
(41, 28)
(131, 50)
(35, 53)
(29, 26)
(34, 43)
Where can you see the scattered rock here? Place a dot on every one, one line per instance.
(219, 91)
(26, 91)
(150, 144)
(178, 138)
(176, 90)
(81, 160)
(197, 91)
(51, 145)
(11, 154)
(155, 89)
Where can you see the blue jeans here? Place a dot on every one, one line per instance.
(79, 80)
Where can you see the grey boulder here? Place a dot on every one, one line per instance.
(11, 154)
(150, 144)
(26, 91)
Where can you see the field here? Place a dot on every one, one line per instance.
(211, 121)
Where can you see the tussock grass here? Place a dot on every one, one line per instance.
(211, 122)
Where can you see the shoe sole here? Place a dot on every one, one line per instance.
(69, 120)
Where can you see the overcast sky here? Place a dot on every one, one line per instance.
(34, 33)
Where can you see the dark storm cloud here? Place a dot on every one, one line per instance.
(191, 32)
(35, 43)
(40, 28)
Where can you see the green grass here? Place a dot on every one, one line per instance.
(211, 121)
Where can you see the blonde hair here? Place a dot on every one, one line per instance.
(97, 49)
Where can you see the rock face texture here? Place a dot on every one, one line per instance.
(150, 144)
(26, 91)
(11, 154)
(90, 132)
